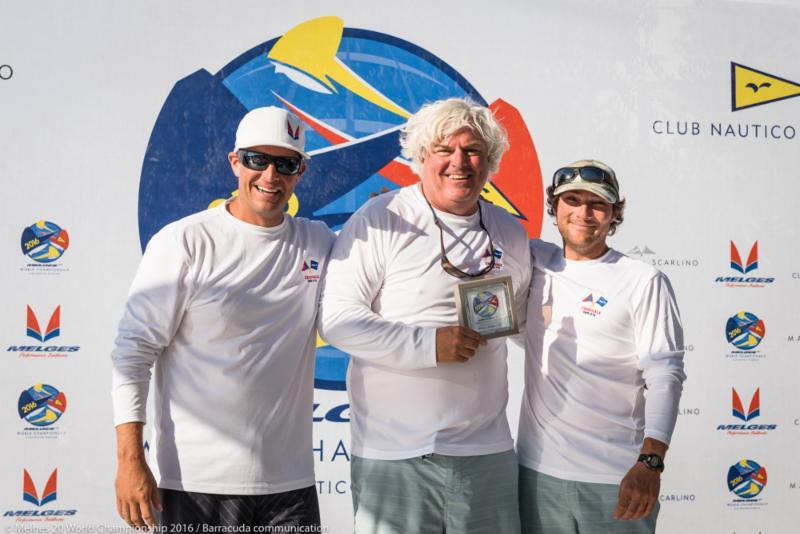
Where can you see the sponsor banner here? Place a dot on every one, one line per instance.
(747, 424)
(40, 407)
(662, 261)
(745, 331)
(39, 503)
(46, 342)
(746, 277)
(702, 131)
(747, 479)
(43, 245)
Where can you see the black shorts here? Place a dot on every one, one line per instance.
(291, 508)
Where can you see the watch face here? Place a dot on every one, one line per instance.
(652, 461)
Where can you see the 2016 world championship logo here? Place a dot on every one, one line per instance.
(41, 406)
(745, 331)
(44, 241)
(746, 480)
(353, 89)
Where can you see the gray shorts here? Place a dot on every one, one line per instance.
(549, 505)
(436, 494)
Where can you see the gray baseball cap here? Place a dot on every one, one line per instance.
(588, 175)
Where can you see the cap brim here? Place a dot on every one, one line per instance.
(591, 187)
(281, 145)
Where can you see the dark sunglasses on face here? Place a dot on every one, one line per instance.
(258, 161)
(591, 174)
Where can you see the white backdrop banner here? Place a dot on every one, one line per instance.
(116, 118)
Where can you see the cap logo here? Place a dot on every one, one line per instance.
(294, 134)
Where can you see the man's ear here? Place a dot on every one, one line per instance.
(233, 159)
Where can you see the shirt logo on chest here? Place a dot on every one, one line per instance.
(593, 304)
(309, 270)
(498, 255)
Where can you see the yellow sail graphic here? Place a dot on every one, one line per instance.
(311, 48)
(321, 342)
(751, 87)
(493, 195)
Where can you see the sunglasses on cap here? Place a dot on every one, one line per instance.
(257, 161)
(590, 173)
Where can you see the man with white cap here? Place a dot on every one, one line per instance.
(224, 305)
(604, 370)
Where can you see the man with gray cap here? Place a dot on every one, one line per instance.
(224, 306)
(604, 370)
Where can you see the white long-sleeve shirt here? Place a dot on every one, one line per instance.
(598, 333)
(226, 311)
(385, 295)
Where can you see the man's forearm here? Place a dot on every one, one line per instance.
(129, 442)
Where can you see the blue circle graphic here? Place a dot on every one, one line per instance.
(372, 82)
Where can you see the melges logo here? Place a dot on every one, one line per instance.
(48, 495)
(294, 132)
(353, 89)
(744, 268)
(592, 304)
(309, 270)
(753, 411)
(44, 241)
(29, 489)
(746, 479)
(53, 325)
(752, 259)
(34, 330)
(41, 406)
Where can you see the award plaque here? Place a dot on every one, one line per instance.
(487, 306)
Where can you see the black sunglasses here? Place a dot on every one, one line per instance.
(592, 174)
(448, 267)
(258, 161)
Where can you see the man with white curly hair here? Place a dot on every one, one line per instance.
(432, 450)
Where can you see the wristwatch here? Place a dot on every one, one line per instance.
(653, 462)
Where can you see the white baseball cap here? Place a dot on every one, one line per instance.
(271, 126)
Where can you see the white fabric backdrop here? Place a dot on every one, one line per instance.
(81, 86)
